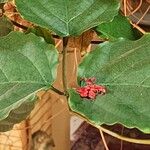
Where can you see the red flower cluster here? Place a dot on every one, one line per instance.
(91, 90)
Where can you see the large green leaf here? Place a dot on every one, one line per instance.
(5, 26)
(68, 17)
(27, 65)
(123, 67)
(118, 27)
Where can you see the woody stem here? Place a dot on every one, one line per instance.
(64, 76)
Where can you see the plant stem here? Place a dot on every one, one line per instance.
(19, 25)
(57, 91)
(64, 76)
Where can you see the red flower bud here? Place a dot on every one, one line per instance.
(91, 90)
(91, 94)
(82, 91)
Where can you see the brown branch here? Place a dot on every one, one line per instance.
(64, 76)
(18, 25)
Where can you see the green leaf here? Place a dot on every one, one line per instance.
(68, 17)
(27, 65)
(3, 1)
(5, 26)
(118, 27)
(17, 114)
(39, 31)
(123, 67)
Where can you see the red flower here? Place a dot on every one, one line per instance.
(100, 89)
(91, 90)
(91, 94)
(82, 91)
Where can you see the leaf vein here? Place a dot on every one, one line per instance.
(33, 65)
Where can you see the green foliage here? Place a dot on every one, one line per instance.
(3, 1)
(123, 67)
(5, 26)
(118, 27)
(39, 31)
(68, 18)
(27, 65)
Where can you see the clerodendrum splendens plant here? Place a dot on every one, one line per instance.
(113, 79)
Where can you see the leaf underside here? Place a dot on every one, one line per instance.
(68, 18)
(27, 65)
(123, 67)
